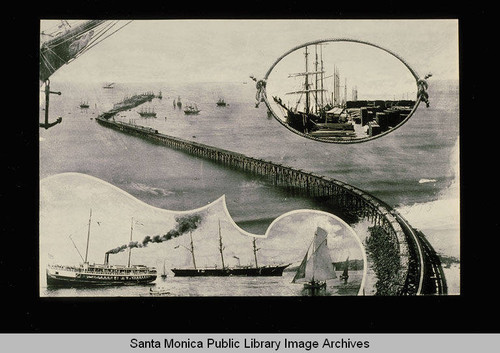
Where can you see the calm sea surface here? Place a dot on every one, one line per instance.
(412, 169)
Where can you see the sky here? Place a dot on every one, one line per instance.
(232, 50)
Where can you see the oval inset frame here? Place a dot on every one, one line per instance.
(421, 90)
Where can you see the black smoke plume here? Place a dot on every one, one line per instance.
(184, 225)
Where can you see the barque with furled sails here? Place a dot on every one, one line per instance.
(249, 271)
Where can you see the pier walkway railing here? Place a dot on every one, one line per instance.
(420, 266)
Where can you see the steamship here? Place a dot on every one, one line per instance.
(87, 274)
(249, 271)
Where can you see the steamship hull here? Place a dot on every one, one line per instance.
(225, 272)
(74, 277)
(148, 115)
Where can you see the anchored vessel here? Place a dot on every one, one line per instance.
(337, 118)
(316, 267)
(87, 274)
(229, 271)
(345, 274)
(221, 102)
(147, 113)
(315, 117)
(84, 104)
(164, 273)
(191, 109)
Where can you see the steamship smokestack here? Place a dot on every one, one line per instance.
(106, 259)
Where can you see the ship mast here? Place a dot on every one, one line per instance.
(81, 257)
(88, 237)
(129, 248)
(322, 77)
(255, 253)
(192, 249)
(316, 80)
(221, 248)
(307, 85)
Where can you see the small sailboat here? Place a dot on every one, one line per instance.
(179, 103)
(84, 105)
(316, 267)
(164, 273)
(345, 275)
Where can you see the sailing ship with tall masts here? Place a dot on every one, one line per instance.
(316, 266)
(147, 113)
(250, 271)
(310, 115)
(191, 109)
(87, 274)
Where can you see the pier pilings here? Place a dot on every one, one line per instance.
(421, 273)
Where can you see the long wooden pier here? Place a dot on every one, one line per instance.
(420, 272)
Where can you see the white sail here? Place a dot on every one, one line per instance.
(318, 262)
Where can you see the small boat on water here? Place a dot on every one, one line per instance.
(179, 103)
(248, 271)
(345, 274)
(109, 85)
(164, 273)
(316, 266)
(191, 109)
(88, 275)
(221, 102)
(84, 105)
(157, 292)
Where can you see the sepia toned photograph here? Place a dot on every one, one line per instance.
(249, 158)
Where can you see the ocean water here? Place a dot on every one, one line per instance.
(211, 287)
(414, 168)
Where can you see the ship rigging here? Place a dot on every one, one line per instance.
(270, 270)
(64, 44)
(86, 274)
(310, 113)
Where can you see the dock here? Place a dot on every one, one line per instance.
(128, 103)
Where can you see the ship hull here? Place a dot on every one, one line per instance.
(219, 272)
(89, 280)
